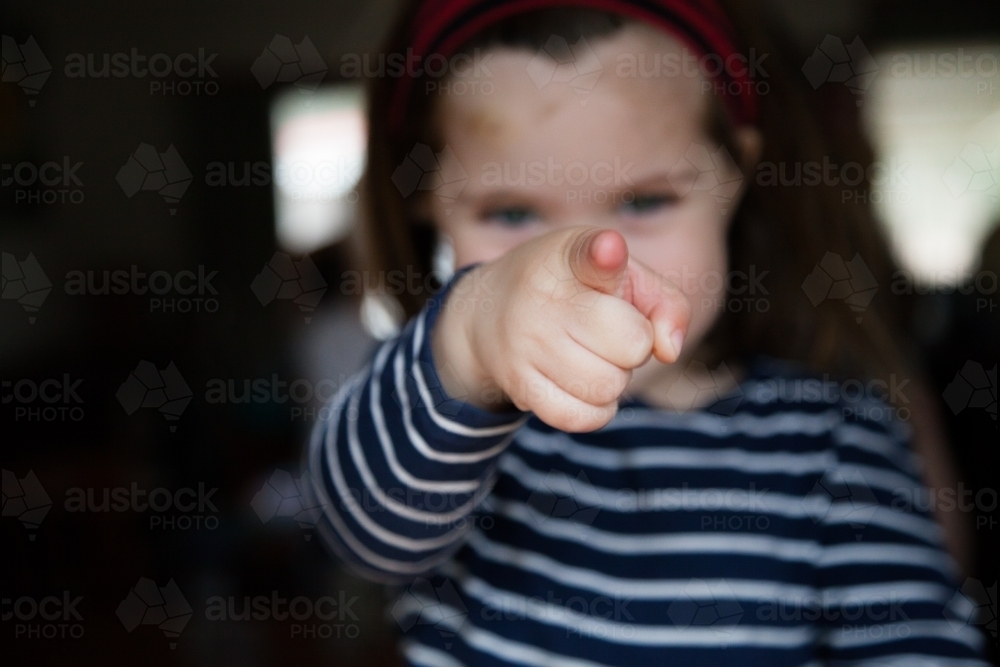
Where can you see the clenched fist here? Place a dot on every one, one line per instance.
(570, 315)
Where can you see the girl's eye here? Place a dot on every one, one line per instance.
(511, 216)
(643, 204)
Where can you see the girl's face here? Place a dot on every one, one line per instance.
(631, 152)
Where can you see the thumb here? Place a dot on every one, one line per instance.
(598, 258)
(663, 304)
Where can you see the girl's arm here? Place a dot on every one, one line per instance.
(400, 463)
(399, 466)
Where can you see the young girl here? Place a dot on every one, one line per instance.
(612, 437)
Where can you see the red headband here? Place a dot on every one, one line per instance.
(441, 27)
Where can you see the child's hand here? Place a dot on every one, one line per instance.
(556, 326)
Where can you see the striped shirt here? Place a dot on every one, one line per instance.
(770, 528)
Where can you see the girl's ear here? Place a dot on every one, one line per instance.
(750, 143)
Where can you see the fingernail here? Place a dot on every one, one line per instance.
(677, 338)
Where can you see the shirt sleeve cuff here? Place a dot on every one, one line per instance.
(452, 407)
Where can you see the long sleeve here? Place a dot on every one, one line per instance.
(398, 466)
(888, 588)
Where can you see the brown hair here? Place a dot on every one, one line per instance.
(785, 230)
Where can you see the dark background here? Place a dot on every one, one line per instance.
(230, 229)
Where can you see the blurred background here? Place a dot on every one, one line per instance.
(178, 199)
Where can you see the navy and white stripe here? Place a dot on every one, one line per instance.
(769, 536)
